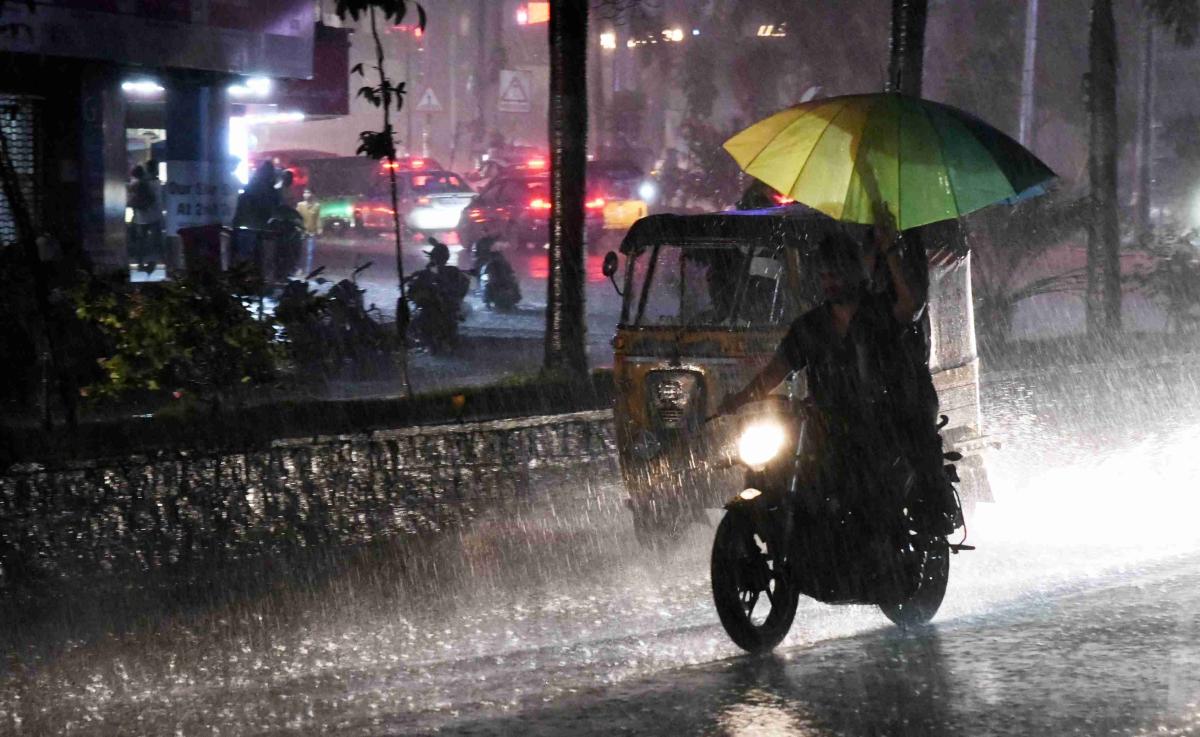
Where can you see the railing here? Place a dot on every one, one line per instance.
(181, 507)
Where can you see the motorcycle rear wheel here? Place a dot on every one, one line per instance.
(933, 571)
(744, 567)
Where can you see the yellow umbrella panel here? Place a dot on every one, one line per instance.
(928, 162)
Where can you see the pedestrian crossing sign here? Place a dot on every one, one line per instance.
(515, 91)
(429, 102)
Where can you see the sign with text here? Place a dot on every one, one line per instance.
(198, 193)
(516, 91)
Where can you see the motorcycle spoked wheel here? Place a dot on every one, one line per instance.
(929, 564)
(755, 598)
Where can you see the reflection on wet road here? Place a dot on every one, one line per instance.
(1076, 615)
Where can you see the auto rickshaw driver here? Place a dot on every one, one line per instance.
(869, 391)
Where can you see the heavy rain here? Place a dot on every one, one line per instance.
(375, 367)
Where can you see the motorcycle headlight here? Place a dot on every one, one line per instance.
(760, 442)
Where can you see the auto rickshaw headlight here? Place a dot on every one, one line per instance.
(760, 442)
(672, 394)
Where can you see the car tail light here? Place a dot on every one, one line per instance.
(782, 199)
(383, 210)
(423, 201)
(475, 214)
(539, 203)
(595, 204)
(536, 163)
(418, 163)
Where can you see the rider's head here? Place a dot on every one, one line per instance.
(439, 254)
(839, 267)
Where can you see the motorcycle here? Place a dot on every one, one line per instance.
(333, 332)
(789, 533)
(498, 284)
(437, 308)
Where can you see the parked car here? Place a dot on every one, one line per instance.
(515, 208)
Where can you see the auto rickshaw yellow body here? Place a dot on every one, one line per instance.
(706, 301)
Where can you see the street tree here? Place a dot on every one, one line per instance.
(565, 326)
(1103, 299)
(906, 46)
(388, 97)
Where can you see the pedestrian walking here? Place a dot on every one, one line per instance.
(310, 219)
(153, 218)
(145, 200)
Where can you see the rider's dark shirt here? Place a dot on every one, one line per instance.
(860, 372)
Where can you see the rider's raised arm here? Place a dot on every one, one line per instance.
(788, 358)
(909, 288)
(910, 296)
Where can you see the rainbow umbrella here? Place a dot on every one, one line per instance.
(846, 156)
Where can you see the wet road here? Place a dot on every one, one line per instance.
(1077, 615)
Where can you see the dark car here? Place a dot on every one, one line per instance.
(516, 209)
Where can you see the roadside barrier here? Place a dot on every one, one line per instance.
(143, 513)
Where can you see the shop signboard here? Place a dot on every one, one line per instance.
(198, 193)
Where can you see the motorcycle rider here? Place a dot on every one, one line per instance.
(498, 285)
(871, 394)
(438, 291)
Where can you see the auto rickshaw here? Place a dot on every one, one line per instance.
(706, 300)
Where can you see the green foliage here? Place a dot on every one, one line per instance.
(714, 179)
(1173, 282)
(699, 77)
(197, 337)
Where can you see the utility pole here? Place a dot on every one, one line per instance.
(1029, 74)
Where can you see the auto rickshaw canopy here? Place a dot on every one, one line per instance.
(794, 225)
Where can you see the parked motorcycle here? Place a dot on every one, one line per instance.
(498, 285)
(333, 332)
(785, 535)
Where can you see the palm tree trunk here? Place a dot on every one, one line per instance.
(1145, 142)
(565, 327)
(907, 46)
(1104, 256)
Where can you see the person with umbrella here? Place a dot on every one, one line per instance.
(867, 392)
(896, 163)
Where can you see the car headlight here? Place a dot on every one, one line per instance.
(434, 218)
(648, 191)
(760, 442)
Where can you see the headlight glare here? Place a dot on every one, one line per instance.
(760, 442)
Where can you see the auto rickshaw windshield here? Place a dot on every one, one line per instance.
(719, 285)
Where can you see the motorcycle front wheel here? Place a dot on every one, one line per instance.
(755, 598)
(930, 571)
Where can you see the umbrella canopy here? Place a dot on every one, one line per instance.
(926, 161)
